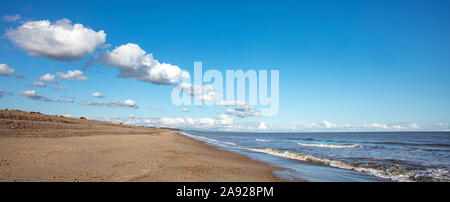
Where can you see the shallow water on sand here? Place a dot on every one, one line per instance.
(344, 156)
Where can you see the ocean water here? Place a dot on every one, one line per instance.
(343, 156)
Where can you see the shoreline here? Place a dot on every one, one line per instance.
(245, 158)
(37, 147)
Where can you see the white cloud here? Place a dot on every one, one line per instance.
(130, 103)
(379, 126)
(224, 119)
(241, 108)
(133, 62)
(327, 124)
(38, 84)
(97, 95)
(49, 78)
(61, 40)
(92, 103)
(243, 111)
(225, 122)
(126, 103)
(114, 103)
(166, 121)
(32, 94)
(5, 70)
(204, 93)
(184, 122)
(262, 126)
(205, 122)
(230, 103)
(75, 75)
(185, 110)
(414, 125)
(68, 100)
(11, 18)
(398, 127)
(51, 100)
(442, 125)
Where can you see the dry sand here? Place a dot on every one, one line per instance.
(37, 147)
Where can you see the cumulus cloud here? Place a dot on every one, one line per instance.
(32, 94)
(134, 62)
(49, 78)
(204, 93)
(380, 126)
(445, 126)
(38, 84)
(92, 103)
(243, 110)
(75, 75)
(414, 125)
(114, 103)
(327, 124)
(51, 100)
(126, 103)
(188, 122)
(11, 18)
(5, 70)
(97, 95)
(224, 120)
(230, 103)
(262, 126)
(61, 40)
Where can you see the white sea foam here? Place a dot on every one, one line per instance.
(328, 145)
(230, 143)
(207, 139)
(262, 140)
(392, 172)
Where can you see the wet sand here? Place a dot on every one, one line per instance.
(37, 147)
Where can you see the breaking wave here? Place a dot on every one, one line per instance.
(262, 140)
(328, 145)
(391, 171)
(411, 144)
(387, 169)
(207, 139)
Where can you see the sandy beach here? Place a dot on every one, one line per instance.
(38, 147)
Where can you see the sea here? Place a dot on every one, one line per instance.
(343, 156)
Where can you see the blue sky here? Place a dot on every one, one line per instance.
(344, 65)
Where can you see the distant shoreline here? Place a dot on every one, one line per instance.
(38, 147)
(309, 132)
